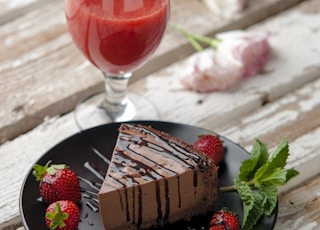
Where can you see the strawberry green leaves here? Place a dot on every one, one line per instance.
(53, 168)
(258, 179)
(39, 171)
(57, 217)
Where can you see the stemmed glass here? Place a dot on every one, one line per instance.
(116, 36)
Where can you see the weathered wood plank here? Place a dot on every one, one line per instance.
(43, 74)
(295, 116)
(7, 5)
(300, 207)
(12, 9)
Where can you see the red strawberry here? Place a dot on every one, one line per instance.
(217, 227)
(57, 182)
(63, 214)
(224, 219)
(212, 146)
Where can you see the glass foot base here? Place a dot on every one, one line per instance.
(90, 112)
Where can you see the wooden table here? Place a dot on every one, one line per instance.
(43, 76)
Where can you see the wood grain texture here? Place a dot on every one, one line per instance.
(300, 207)
(295, 116)
(42, 74)
(13, 9)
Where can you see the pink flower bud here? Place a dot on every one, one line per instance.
(250, 50)
(239, 55)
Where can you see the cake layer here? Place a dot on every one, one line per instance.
(154, 179)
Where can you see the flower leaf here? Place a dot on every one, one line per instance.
(195, 39)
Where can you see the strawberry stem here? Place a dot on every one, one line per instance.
(57, 217)
(53, 168)
(39, 171)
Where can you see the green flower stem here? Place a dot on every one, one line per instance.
(195, 40)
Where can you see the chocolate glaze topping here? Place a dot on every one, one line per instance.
(132, 154)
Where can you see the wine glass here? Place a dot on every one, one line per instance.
(116, 36)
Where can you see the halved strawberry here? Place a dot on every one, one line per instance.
(212, 146)
(57, 182)
(63, 215)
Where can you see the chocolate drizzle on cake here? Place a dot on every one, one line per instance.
(166, 216)
(133, 160)
(158, 202)
(127, 205)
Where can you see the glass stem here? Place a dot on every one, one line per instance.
(116, 94)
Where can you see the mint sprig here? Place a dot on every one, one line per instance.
(258, 179)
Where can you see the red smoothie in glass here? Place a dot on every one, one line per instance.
(117, 36)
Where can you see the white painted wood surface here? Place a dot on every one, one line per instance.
(43, 74)
(300, 207)
(283, 101)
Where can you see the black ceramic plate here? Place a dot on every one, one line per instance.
(87, 152)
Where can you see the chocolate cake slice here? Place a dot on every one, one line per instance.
(154, 179)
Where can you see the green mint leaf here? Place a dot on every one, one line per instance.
(259, 155)
(279, 157)
(291, 173)
(271, 194)
(277, 177)
(256, 211)
(258, 179)
(247, 196)
(277, 160)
